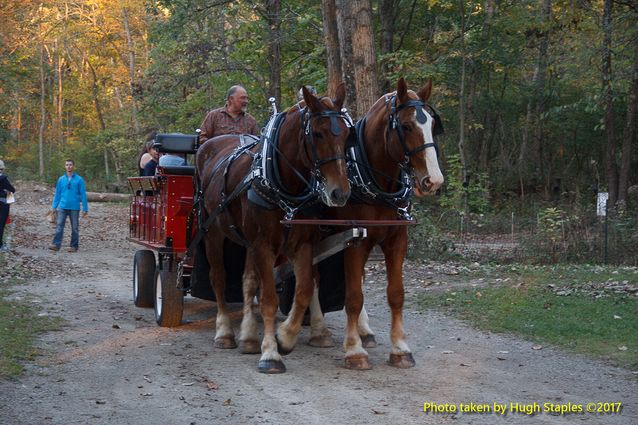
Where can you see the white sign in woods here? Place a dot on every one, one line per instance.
(601, 204)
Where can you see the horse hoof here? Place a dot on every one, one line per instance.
(368, 341)
(402, 361)
(322, 341)
(250, 347)
(281, 349)
(225, 342)
(271, 366)
(358, 362)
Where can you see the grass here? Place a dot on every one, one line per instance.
(575, 307)
(19, 326)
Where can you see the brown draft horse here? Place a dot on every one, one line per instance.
(396, 155)
(309, 148)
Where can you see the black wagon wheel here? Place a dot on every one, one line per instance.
(144, 278)
(169, 299)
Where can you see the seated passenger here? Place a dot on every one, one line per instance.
(171, 160)
(151, 166)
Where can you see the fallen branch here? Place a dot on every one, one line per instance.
(107, 197)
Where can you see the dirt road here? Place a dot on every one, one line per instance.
(112, 365)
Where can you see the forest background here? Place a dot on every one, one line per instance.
(538, 97)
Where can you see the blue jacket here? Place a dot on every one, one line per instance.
(69, 193)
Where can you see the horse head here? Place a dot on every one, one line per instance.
(415, 126)
(325, 133)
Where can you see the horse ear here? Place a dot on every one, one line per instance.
(340, 96)
(311, 100)
(402, 90)
(426, 91)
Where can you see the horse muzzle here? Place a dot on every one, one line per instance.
(427, 185)
(335, 197)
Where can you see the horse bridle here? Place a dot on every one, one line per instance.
(306, 124)
(393, 123)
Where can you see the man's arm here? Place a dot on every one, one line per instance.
(207, 127)
(56, 198)
(85, 204)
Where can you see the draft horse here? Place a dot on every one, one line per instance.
(393, 157)
(298, 161)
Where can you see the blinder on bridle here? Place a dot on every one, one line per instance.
(419, 107)
(335, 130)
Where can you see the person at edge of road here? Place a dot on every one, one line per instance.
(69, 192)
(231, 118)
(151, 166)
(5, 187)
(311, 89)
(145, 156)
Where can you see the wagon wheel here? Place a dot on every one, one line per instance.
(169, 299)
(143, 278)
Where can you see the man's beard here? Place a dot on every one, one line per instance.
(244, 108)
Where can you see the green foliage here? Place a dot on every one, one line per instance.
(554, 306)
(20, 326)
(426, 241)
(472, 198)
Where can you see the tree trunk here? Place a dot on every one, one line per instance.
(273, 19)
(608, 96)
(42, 111)
(345, 24)
(100, 117)
(365, 60)
(131, 69)
(331, 40)
(628, 133)
(539, 97)
(388, 13)
(461, 144)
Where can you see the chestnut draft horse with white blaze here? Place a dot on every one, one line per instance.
(394, 156)
(298, 160)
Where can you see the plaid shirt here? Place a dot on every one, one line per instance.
(219, 121)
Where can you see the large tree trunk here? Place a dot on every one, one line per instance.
(610, 151)
(331, 40)
(273, 18)
(345, 24)
(628, 133)
(365, 60)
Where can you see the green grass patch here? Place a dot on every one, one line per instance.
(579, 308)
(19, 325)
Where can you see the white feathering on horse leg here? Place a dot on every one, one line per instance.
(223, 327)
(320, 336)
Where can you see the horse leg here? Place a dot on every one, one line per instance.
(320, 336)
(224, 335)
(356, 356)
(248, 336)
(270, 360)
(394, 251)
(289, 329)
(367, 336)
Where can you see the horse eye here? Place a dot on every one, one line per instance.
(317, 135)
(405, 127)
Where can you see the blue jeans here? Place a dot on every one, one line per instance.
(74, 216)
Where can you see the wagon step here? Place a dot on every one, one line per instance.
(325, 248)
